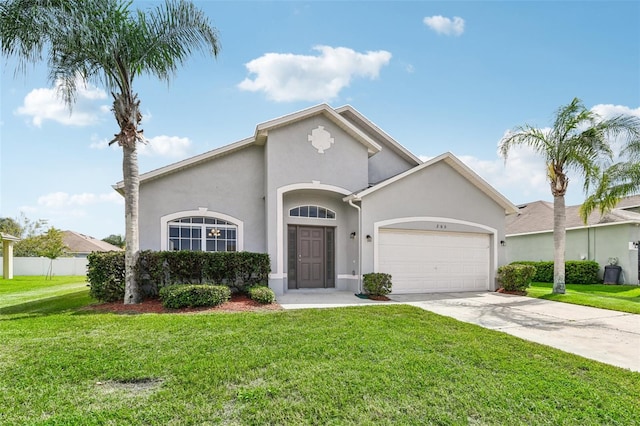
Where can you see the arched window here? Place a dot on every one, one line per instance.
(199, 233)
(316, 212)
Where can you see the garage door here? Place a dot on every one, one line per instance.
(427, 262)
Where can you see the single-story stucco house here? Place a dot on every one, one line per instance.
(80, 245)
(330, 196)
(613, 237)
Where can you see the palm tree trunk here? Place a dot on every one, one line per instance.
(131, 195)
(559, 241)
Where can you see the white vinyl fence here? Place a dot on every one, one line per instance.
(40, 266)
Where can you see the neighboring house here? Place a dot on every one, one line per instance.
(329, 196)
(613, 236)
(80, 245)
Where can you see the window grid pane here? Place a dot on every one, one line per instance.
(314, 212)
(197, 233)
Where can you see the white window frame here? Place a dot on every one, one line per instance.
(201, 212)
(317, 209)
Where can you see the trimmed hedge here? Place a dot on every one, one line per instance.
(155, 270)
(105, 275)
(576, 271)
(377, 283)
(544, 270)
(516, 277)
(193, 295)
(262, 294)
(581, 271)
(238, 270)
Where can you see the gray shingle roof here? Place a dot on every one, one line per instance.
(80, 243)
(538, 216)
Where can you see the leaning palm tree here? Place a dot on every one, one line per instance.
(104, 42)
(578, 141)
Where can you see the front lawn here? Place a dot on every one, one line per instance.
(35, 295)
(394, 364)
(623, 298)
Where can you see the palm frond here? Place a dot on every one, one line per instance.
(526, 135)
(616, 182)
(169, 35)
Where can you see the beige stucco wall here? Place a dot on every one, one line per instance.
(293, 164)
(441, 193)
(231, 184)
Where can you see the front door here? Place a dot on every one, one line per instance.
(310, 257)
(311, 251)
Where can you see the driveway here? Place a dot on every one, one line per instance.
(603, 335)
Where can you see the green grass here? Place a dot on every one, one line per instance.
(623, 298)
(35, 295)
(392, 364)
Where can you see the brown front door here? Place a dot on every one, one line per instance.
(311, 260)
(310, 257)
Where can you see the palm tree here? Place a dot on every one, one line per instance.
(104, 42)
(578, 141)
(618, 180)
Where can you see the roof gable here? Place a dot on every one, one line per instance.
(459, 167)
(260, 137)
(262, 129)
(354, 116)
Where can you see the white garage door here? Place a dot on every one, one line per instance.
(427, 262)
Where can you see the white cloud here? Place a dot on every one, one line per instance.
(522, 178)
(610, 111)
(97, 143)
(446, 26)
(289, 77)
(158, 146)
(45, 104)
(146, 117)
(56, 200)
(166, 146)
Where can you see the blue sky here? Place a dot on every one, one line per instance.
(437, 76)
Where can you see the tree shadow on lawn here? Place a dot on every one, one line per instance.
(47, 306)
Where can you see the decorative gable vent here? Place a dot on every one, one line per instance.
(320, 139)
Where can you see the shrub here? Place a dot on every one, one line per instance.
(576, 271)
(262, 294)
(193, 295)
(105, 274)
(239, 270)
(377, 283)
(544, 270)
(155, 270)
(581, 271)
(516, 277)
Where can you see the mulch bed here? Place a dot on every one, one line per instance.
(382, 298)
(238, 303)
(518, 293)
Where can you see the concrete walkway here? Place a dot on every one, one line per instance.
(603, 335)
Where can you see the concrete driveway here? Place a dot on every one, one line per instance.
(606, 336)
